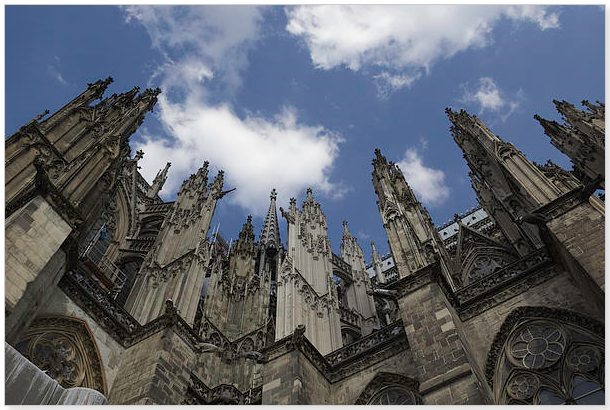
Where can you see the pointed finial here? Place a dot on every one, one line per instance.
(139, 155)
(273, 194)
(309, 198)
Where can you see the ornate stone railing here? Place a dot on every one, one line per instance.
(497, 279)
(349, 316)
(159, 208)
(199, 393)
(367, 343)
(343, 266)
(140, 244)
(98, 302)
(391, 275)
(349, 360)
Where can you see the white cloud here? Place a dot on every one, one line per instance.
(207, 46)
(56, 74)
(387, 83)
(211, 37)
(403, 38)
(257, 154)
(427, 183)
(489, 97)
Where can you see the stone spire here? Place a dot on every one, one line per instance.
(377, 264)
(171, 268)
(507, 184)
(245, 242)
(158, 182)
(582, 139)
(270, 234)
(404, 218)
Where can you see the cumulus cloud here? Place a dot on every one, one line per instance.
(403, 38)
(204, 48)
(199, 40)
(427, 183)
(257, 154)
(387, 83)
(489, 97)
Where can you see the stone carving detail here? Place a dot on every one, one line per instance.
(537, 345)
(549, 317)
(584, 359)
(390, 388)
(523, 386)
(367, 342)
(198, 393)
(65, 350)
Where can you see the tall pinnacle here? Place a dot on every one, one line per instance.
(158, 182)
(346, 233)
(270, 235)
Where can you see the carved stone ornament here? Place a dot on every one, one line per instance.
(523, 386)
(584, 359)
(64, 349)
(390, 388)
(537, 345)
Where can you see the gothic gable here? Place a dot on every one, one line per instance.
(478, 255)
(64, 348)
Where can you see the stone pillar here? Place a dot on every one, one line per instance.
(34, 261)
(155, 370)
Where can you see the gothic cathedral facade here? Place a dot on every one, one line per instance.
(113, 295)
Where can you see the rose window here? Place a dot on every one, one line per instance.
(537, 346)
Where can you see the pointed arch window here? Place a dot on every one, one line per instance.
(554, 359)
(390, 389)
(64, 348)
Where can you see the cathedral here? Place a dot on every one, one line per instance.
(114, 296)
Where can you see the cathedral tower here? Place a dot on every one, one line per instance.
(175, 267)
(358, 293)
(411, 234)
(306, 293)
(583, 139)
(62, 172)
(238, 297)
(507, 184)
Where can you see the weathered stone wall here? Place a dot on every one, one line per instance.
(292, 379)
(110, 350)
(33, 235)
(581, 231)
(348, 390)
(440, 353)
(560, 291)
(154, 371)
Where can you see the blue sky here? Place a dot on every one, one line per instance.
(300, 96)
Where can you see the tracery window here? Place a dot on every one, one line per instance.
(393, 395)
(550, 361)
(389, 389)
(65, 350)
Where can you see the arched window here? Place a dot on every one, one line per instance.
(65, 350)
(393, 395)
(547, 356)
(389, 389)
